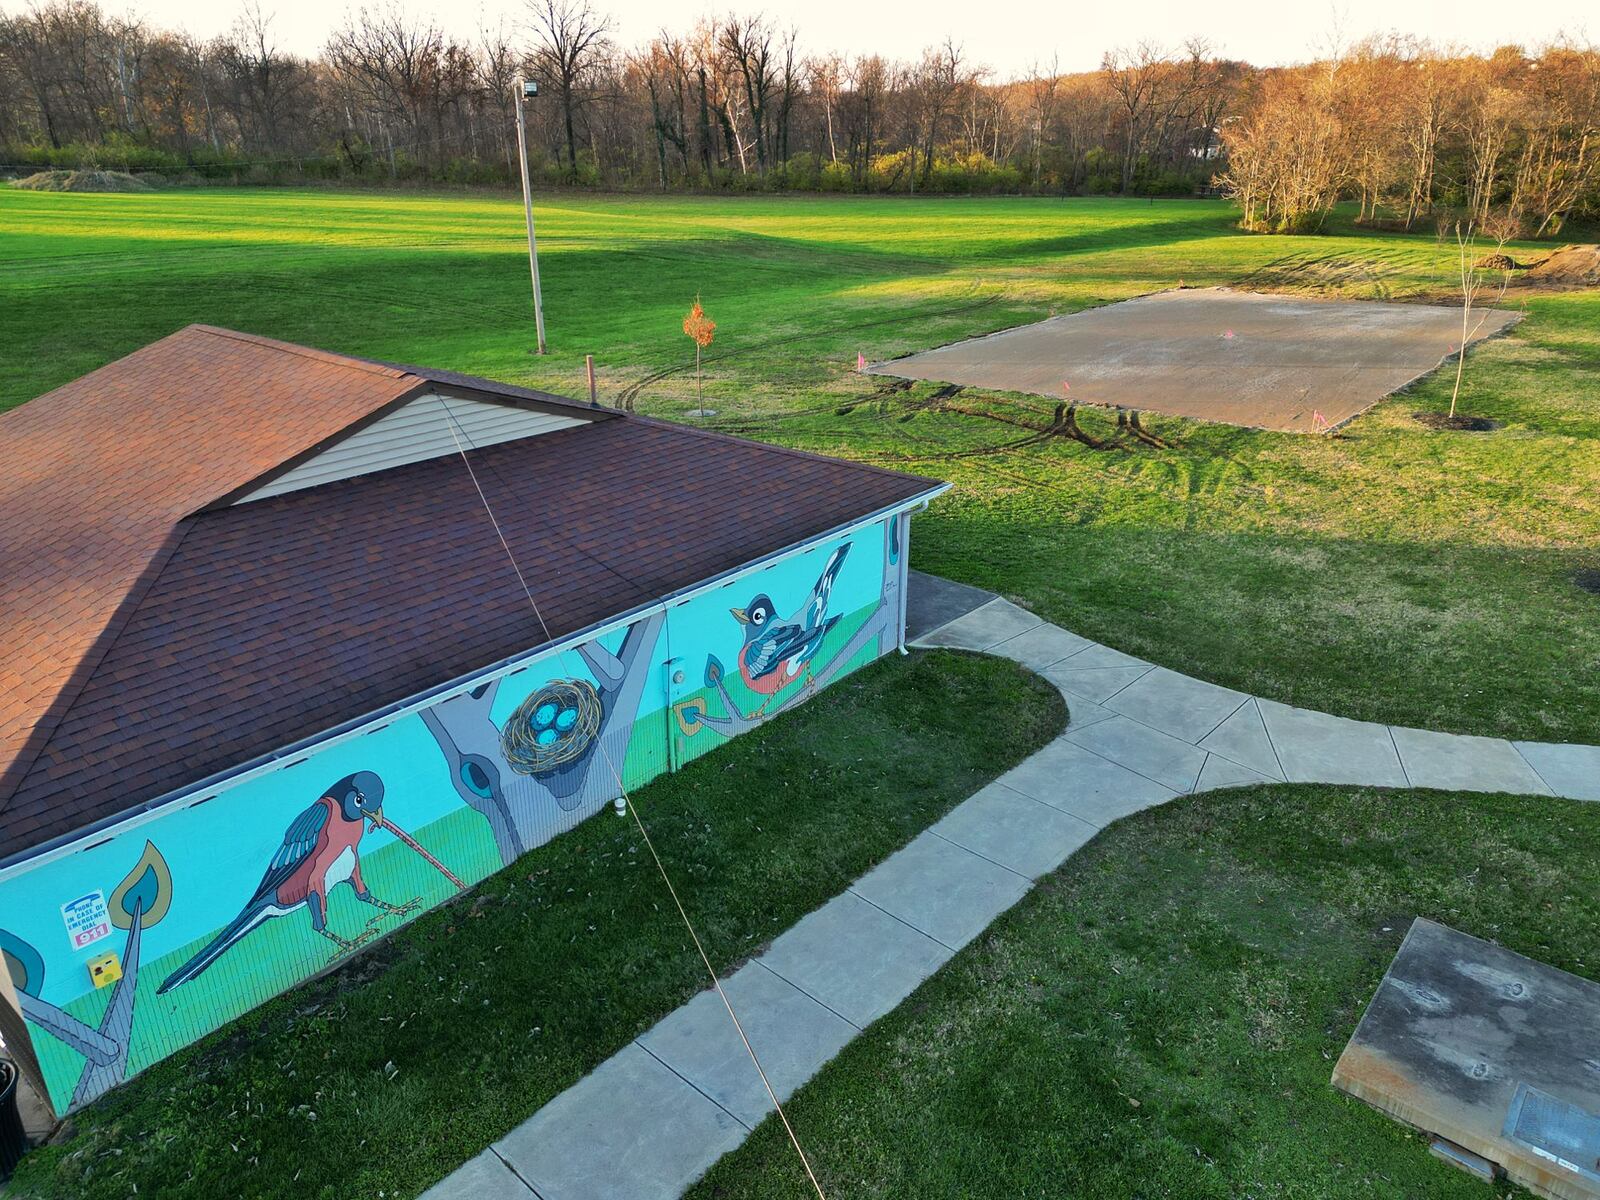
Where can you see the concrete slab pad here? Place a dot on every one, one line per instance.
(1220, 772)
(1065, 775)
(1020, 833)
(630, 1130)
(949, 893)
(1212, 354)
(1169, 761)
(1490, 1050)
(1098, 684)
(1317, 748)
(1571, 771)
(791, 1033)
(1186, 708)
(983, 627)
(483, 1177)
(855, 958)
(932, 601)
(1042, 646)
(1243, 739)
(1463, 763)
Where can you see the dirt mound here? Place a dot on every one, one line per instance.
(1570, 266)
(82, 181)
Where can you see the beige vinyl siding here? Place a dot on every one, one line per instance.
(415, 431)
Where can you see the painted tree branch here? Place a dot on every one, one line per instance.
(116, 1025)
(882, 625)
(465, 733)
(61, 1024)
(523, 811)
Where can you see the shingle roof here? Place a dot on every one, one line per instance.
(174, 645)
(95, 475)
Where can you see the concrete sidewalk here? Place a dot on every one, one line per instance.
(650, 1120)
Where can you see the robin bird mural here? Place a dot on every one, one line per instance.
(776, 651)
(320, 851)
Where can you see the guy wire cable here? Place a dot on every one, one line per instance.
(456, 434)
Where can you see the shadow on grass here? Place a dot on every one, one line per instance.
(1161, 1015)
(1439, 635)
(386, 1075)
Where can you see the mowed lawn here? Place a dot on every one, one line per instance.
(1162, 1015)
(1392, 573)
(384, 1076)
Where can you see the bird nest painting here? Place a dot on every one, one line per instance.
(552, 727)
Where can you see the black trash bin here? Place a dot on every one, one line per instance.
(13, 1141)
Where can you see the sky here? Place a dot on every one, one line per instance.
(1008, 36)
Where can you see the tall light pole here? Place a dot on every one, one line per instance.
(528, 89)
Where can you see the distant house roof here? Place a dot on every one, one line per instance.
(153, 634)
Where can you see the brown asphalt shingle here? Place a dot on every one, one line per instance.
(172, 646)
(95, 475)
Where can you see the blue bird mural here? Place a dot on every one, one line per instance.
(776, 651)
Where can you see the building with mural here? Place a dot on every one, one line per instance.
(296, 646)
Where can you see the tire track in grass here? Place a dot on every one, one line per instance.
(629, 395)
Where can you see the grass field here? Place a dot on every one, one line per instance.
(1161, 1016)
(379, 1079)
(1393, 573)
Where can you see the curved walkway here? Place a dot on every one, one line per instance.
(651, 1119)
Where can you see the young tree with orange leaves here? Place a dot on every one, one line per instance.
(702, 329)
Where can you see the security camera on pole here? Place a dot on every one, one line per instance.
(528, 89)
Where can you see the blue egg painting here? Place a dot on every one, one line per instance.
(544, 714)
(567, 719)
(545, 736)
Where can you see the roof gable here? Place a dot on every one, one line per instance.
(427, 426)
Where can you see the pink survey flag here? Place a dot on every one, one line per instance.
(1319, 422)
(1065, 386)
(1228, 335)
(861, 361)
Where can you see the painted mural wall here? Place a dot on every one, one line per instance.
(216, 906)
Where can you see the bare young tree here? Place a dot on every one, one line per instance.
(1135, 78)
(826, 82)
(664, 67)
(1289, 159)
(1560, 158)
(570, 39)
(934, 88)
(497, 61)
(267, 92)
(1425, 100)
(1472, 272)
(747, 42)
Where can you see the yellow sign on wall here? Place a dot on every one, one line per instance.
(105, 970)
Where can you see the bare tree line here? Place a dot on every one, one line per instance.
(1413, 131)
(733, 102)
(1405, 128)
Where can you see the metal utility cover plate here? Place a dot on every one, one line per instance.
(1491, 1050)
(1561, 1132)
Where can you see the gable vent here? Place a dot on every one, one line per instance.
(414, 432)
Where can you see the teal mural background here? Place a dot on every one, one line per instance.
(210, 855)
